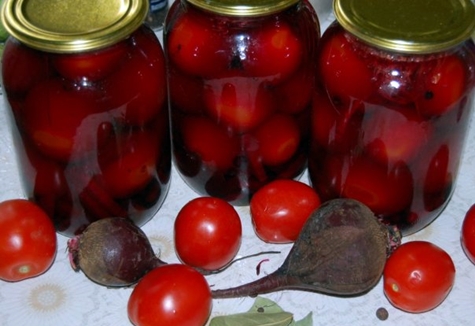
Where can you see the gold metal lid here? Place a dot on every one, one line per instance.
(72, 25)
(245, 8)
(408, 26)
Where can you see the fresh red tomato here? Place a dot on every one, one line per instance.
(93, 65)
(173, 294)
(212, 143)
(275, 53)
(278, 139)
(441, 86)
(23, 67)
(468, 234)
(195, 46)
(56, 117)
(393, 135)
(240, 103)
(384, 191)
(344, 74)
(418, 276)
(27, 240)
(131, 168)
(280, 209)
(207, 233)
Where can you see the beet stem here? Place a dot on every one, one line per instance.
(270, 283)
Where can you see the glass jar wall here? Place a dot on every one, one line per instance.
(392, 109)
(89, 112)
(240, 79)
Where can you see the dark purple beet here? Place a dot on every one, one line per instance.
(113, 252)
(341, 250)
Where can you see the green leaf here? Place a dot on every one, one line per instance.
(306, 321)
(254, 319)
(265, 305)
(264, 312)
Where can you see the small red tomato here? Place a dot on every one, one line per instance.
(173, 294)
(130, 163)
(384, 191)
(280, 209)
(278, 139)
(195, 46)
(394, 135)
(344, 74)
(27, 240)
(418, 276)
(336, 127)
(441, 86)
(23, 67)
(240, 103)
(212, 143)
(275, 53)
(92, 65)
(144, 95)
(186, 92)
(58, 118)
(439, 173)
(207, 233)
(295, 94)
(468, 234)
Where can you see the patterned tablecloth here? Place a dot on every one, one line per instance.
(61, 297)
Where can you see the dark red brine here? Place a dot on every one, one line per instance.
(240, 93)
(388, 127)
(91, 129)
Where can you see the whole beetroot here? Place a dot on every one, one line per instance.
(113, 252)
(341, 250)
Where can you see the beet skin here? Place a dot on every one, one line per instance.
(113, 252)
(341, 250)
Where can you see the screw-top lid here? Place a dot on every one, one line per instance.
(244, 7)
(408, 26)
(72, 25)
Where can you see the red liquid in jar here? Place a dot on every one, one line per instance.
(91, 129)
(388, 129)
(240, 95)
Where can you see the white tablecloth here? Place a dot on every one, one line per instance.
(61, 297)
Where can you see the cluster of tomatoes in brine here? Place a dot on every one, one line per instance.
(388, 129)
(92, 129)
(240, 94)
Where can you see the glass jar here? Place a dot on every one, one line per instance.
(240, 79)
(87, 98)
(393, 104)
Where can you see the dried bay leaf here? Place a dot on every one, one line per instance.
(254, 319)
(264, 312)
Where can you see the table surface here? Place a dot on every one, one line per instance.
(62, 297)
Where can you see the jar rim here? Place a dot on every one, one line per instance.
(244, 8)
(408, 26)
(66, 26)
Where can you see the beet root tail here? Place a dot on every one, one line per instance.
(270, 283)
